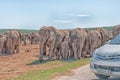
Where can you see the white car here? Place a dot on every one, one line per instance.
(105, 61)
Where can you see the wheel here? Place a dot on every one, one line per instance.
(102, 76)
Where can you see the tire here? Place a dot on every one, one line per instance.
(100, 76)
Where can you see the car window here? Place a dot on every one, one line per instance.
(115, 40)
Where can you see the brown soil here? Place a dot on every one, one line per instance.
(16, 64)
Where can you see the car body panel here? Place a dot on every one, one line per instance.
(106, 59)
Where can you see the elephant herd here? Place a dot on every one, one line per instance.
(30, 38)
(56, 43)
(12, 39)
(70, 44)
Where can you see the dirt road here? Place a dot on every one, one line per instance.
(83, 73)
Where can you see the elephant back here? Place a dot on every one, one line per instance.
(116, 30)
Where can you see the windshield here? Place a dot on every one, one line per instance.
(115, 40)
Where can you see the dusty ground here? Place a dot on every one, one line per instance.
(83, 73)
(16, 64)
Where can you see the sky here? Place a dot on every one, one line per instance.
(62, 14)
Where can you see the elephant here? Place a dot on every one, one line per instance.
(13, 41)
(78, 37)
(50, 38)
(34, 38)
(2, 44)
(116, 30)
(26, 39)
(94, 40)
(74, 43)
(60, 35)
(45, 34)
(83, 41)
(104, 35)
(51, 42)
(64, 49)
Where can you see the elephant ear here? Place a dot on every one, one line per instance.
(20, 34)
(63, 39)
(102, 35)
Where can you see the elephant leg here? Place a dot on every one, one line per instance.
(17, 49)
(41, 52)
(69, 54)
(0, 50)
(58, 55)
(66, 54)
(12, 51)
(81, 50)
(1, 47)
(55, 53)
(61, 55)
(85, 48)
(51, 53)
(80, 55)
(75, 54)
(96, 45)
(92, 48)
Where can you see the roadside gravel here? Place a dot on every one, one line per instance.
(83, 73)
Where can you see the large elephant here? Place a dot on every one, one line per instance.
(60, 35)
(44, 34)
(116, 30)
(78, 37)
(93, 41)
(84, 33)
(13, 41)
(64, 48)
(2, 44)
(74, 43)
(51, 42)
